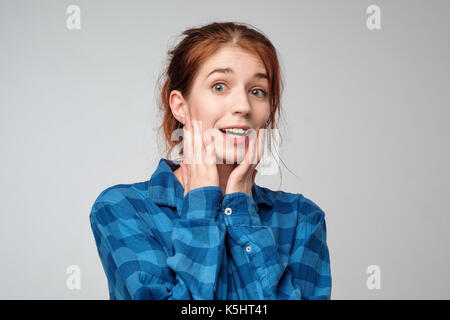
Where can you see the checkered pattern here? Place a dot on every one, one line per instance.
(154, 243)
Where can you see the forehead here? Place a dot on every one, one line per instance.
(233, 57)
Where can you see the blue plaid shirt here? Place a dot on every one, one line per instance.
(156, 244)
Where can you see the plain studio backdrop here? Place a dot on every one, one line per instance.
(366, 132)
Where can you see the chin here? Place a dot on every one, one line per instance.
(230, 157)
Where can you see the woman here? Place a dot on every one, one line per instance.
(202, 229)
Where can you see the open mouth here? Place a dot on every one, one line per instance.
(236, 132)
(236, 135)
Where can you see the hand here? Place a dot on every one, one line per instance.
(243, 176)
(199, 168)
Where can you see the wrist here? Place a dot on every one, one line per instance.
(247, 190)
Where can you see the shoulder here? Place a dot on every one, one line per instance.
(309, 217)
(120, 200)
(308, 207)
(283, 201)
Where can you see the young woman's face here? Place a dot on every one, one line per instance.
(231, 98)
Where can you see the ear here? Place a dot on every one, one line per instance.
(178, 105)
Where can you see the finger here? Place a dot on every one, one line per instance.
(254, 175)
(187, 138)
(252, 148)
(187, 120)
(261, 144)
(210, 151)
(182, 172)
(197, 142)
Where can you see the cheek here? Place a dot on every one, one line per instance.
(263, 116)
(199, 110)
(208, 114)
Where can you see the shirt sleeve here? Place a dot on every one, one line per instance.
(137, 266)
(198, 242)
(255, 251)
(310, 259)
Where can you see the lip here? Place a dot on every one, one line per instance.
(237, 126)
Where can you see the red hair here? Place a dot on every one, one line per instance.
(196, 47)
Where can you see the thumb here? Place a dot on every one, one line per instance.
(254, 175)
(184, 173)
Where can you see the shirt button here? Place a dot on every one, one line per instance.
(228, 211)
(248, 249)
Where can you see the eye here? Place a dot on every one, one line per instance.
(263, 93)
(218, 85)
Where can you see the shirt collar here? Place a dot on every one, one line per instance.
(164, 187)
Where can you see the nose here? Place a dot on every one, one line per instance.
(241, 105)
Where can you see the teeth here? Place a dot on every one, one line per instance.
(236, 131)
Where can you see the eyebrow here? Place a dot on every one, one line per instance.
(257, 75)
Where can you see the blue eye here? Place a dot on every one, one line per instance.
(218, 84)
(263, 92)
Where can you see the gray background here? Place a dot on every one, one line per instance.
(365, 130)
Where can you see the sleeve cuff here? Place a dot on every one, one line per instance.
(239, 208)
(202, 203)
